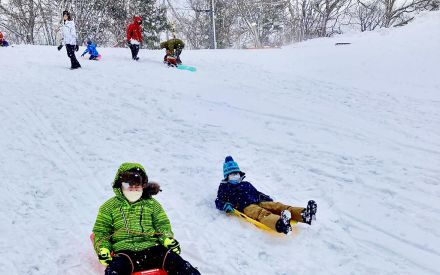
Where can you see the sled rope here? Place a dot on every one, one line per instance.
(98, 243)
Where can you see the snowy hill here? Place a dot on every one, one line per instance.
(356, 127)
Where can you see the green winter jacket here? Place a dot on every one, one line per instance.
(121, 225)
(172, 44)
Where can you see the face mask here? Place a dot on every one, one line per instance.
(234, 178)
(132, 195)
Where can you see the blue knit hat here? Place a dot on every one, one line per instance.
(230, 166)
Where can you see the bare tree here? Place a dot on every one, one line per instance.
(239, 23)
(397, 12)
(330, 12)
(368, 14)
(21, 18)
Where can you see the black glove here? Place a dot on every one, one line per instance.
(76, 48)
(60, 47)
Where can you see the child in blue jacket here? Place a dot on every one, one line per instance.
(234, 193)
(91, 48)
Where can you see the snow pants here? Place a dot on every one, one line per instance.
(71, 54)
(134, 51)
(268, 212)
(127, 262)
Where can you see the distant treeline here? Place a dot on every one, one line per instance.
(238, 23)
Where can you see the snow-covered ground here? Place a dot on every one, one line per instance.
(357, 128)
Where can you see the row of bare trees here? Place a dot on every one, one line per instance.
(104, 21)
(260, 23)
(238, 23)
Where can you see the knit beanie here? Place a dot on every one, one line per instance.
(230, 166)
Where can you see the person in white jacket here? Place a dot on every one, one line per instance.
(69, 39)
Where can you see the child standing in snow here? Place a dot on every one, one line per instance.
(69, 39)
(3, 42)
(134, 37)
(234, 193)
(132, 232)
(173, 48)
(91, 49)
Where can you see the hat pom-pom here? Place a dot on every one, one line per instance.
(228, 159)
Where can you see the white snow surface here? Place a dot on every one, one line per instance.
(355, 127)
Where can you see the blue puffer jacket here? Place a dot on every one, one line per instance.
(91, 48)
(239, 195)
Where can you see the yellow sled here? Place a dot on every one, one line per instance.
(259, 224)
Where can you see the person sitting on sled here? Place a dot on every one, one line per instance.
(173, 48)
(132, 232)
(3, 42)
(91, 49)
(235, 193)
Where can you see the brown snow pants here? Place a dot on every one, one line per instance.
(268, 212)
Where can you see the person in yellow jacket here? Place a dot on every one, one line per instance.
(173, 48)
(132, 231)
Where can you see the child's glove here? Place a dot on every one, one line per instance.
(228, 208)
(76, 48)
(60, 47)
(172, 244)
(104, 256)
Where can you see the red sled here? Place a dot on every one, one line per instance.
(155, 271)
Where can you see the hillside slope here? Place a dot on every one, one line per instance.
(357, 128)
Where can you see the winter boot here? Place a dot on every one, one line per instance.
(309, 213)
(283, 224)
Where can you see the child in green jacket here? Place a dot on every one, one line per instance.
(132, 232)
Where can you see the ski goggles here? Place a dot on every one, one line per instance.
(127, 185)
(131, 180)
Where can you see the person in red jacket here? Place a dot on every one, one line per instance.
(134, 36)
(3, 42)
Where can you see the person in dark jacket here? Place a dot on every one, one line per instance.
(134, 36)
(234, 193)
(173, 49)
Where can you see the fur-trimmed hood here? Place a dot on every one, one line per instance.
(150, 188)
